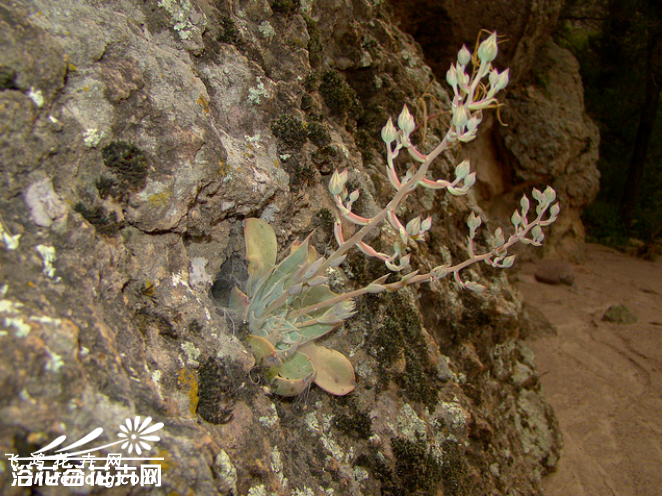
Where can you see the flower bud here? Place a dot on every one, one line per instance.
(470, 180)
(414, 226)
(337, 182)
(503, 81)
(464, 56)
(463, 169)
(426, 224)
(516, 219)
(460, 116)
(524, 202)
(473, 221)
(508, 261)
(554, 211)
(498, 237)
(389, 132)
(451, 76)
(487, 51)
(406, 121)
(473, 122)
(494, 77)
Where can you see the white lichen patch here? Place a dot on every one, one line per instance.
(45, 205)
(54, 362)
(46, 320)
(183, 18)
(92, 137)
(256, 94)
(326, 438)
(267, 30)
(360, 474)
(409, 424)
(412, 427)
(254, 141)
(177, 279)
(10, 241)
(452, 413)
(199, 278)
(191, 352)
(48, 258)
(270, 420)
(258, 491)
(227, 470)
(21, 329)
(277, 466)
(9, 306)
(306, 491)
(36, 96)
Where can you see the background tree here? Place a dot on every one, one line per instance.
(619, 47)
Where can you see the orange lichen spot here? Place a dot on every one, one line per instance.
(188, 382)
(204, 103)
(160, 199)
(223, 168)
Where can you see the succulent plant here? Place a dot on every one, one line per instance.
(289, 305)
(281, 308)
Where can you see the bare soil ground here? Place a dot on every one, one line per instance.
(603, 379)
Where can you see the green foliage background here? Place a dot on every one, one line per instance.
(613, 73)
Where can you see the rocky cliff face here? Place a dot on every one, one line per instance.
(135, 138)
(548, 137)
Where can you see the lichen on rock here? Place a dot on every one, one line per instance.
(136, 124)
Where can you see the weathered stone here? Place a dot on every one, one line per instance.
(147, 156)
(554, 272)
(550, 137)
(619, 314)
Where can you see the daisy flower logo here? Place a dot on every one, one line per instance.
(136, 434)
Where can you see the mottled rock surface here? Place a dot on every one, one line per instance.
(135, 137)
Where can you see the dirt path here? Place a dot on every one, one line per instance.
(603, 379)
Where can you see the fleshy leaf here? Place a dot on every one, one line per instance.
(261, 247)
(294, 376)
(264, 352)
(335, 373)
(297, 367)
(291, 387)
(238, 303)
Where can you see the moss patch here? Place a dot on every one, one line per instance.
(227, 31)
(454, 470)
(339, 96)
(105, 223)
(285, 6)
(129, 167)
(400, 335)
(420, 472)
(221, 385)
(318, 134)
(291, 130)
(355, 425)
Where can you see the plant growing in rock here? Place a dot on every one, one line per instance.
(289, 305)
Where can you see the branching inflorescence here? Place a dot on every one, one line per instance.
(289, 305)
